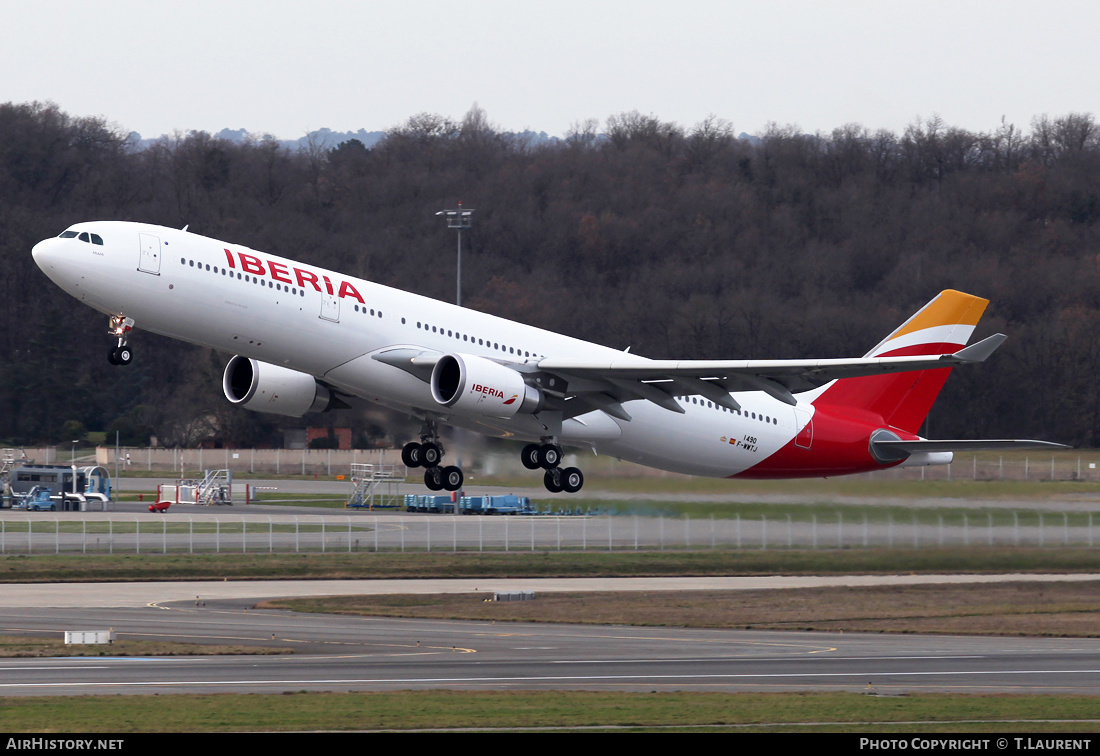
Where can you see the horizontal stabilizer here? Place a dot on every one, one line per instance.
(989, 444)
(894, 449)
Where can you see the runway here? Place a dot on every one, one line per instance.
(339, 653)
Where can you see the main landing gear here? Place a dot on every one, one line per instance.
(548, 456)
(428, 454)
(119, 326)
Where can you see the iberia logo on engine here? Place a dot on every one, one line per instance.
(477, 388)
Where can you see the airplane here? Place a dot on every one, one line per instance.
(302, 337)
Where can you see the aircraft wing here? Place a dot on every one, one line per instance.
(605, 384)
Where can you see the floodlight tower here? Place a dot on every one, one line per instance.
(458, 219)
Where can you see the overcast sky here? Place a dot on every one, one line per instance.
(287, 67)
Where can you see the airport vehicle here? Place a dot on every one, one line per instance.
(507, 504)
(93, 483)
(433, 504)
(303, 336)
(37, 499)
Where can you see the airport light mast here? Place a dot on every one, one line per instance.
(458, 219)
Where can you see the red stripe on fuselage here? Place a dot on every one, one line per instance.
(841, 445)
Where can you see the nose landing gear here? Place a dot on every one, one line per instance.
(119, 326)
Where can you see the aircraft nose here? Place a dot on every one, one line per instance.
(38, 251)
(44, 252)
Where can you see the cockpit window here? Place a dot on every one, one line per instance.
(84, 236)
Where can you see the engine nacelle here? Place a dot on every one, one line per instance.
(472, 384)
(263, 387)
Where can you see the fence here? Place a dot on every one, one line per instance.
(116, 534)
(1069, 465)
(278, 461)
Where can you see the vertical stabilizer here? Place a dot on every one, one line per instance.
(902, 400)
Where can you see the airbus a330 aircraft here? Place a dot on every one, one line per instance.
(303, 335)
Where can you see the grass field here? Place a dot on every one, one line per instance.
(1029, 609)
(369, 565)
(22, 647)
(443, 711)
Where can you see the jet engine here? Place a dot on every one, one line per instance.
(263, 387)
(472, 384)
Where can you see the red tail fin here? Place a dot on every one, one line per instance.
(902, 400)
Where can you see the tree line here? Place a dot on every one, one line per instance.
(678, 242)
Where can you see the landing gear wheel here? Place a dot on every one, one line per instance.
(530, 456)
(433, 479)
(452, 478)
(552, 481)
(571, 480)
(121, 355)
(549, 456)
(410, 454)
(111, 356)
(430, 454)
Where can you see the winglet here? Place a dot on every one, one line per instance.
(980, 352)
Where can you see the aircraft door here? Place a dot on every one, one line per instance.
(804, 438)
(330, 307)
(149, 261)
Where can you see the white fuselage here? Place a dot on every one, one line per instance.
(326, 324)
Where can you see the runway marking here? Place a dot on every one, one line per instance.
(662, 639)
(539, 678)
(395, 645)
(681, 660)
(211, 638)
(55, 666)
